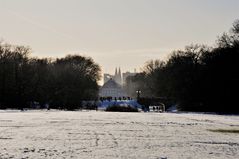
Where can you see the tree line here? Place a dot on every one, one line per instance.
(198, 78)
(59, 83)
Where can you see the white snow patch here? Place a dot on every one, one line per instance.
(62, 134)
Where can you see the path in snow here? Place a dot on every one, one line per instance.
(58, 134)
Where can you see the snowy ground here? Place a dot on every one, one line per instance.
(57, 134)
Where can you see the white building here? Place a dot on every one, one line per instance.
(112, 89)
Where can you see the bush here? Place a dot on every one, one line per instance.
(118, 108)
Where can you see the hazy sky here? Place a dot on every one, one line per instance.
(123, 33)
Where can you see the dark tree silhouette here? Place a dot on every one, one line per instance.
(64, 82)
(198, 78)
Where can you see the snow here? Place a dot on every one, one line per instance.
(66, 134)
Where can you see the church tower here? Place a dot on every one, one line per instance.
(117, 76)
(116, 72)
(120, 77)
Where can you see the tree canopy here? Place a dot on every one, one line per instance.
(198, 78)
(60, 83)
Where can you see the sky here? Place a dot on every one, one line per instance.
(115, 33)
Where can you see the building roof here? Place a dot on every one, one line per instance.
(111, 84)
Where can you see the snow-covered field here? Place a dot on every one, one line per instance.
(59, 134)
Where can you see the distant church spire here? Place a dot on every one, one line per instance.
(119, 72)
(116, 73)
(117, 76)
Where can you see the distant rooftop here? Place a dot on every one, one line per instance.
(111, 84)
